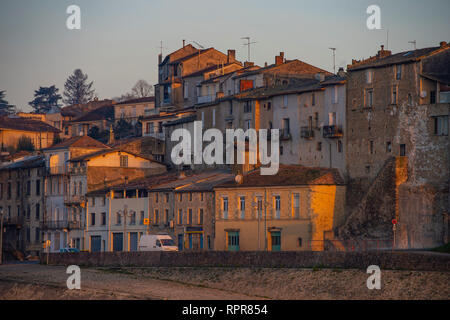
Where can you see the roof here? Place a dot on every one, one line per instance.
(181, 121)
(78, 110)
(197, 181)
(384, 58)
(201, 72)
(26, 162)
(107, 151)
(25, 124)
(288, 175)
(306, 69)
(101, 113)
(147, 182)
(79, 142)
(442, 78)
(136, 101)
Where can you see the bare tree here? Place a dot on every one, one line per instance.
(142, 89)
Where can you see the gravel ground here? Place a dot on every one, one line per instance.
(49, 282)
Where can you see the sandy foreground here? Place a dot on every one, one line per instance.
(33, 281)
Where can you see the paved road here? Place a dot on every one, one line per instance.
(34, 281)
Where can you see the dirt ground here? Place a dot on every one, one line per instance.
(33, 281)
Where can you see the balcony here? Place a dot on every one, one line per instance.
(74, 199)
(57, 170)
(61, 225)
(332, 132)
(307, 132)
(77, 170)
(285, 134)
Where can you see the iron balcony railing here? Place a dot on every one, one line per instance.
(307, 132)
(332, 132)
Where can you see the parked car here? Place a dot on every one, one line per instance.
(69, 250)
(157, 242)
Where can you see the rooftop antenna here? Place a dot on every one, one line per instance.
(334, 59)
(161, 47)
(248, 44)
(413, 43)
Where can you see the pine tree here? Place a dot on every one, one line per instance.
(77, 90)
(45, 99)
(5, 107)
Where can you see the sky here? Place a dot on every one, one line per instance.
(119, 40)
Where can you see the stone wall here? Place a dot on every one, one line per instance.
(287, 259)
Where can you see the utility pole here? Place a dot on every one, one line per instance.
(248, 44)
(334, 59)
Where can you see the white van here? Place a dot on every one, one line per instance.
(157, 242)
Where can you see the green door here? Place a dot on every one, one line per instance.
(233, 241)
(276, 240)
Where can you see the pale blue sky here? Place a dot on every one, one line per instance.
(118, 40)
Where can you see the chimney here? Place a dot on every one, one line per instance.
(279, 59)
(111, 135)
(231, 56)
(248, 64)
(159, 58)
(265, 64)
(383, 53)
(341, 72)
(443, 44)
(184, 43)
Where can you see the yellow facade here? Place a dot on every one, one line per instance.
(320, 208)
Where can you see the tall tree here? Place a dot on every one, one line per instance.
(77, 89)
(142, 89)
(5, 107)
(45, 99)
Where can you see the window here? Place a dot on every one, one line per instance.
(285, 100)
(296, 205)
(93, 201)
(103, 218)
(247, 106)
(409, 98)
(269, 105)
(248, 124)
(369, 76)
(371, 147)
(167, 197)
(402, 150)
(277, 206)
(190, 216)
(388, 146)
(369, 98)
(335, 97)
(432, 97)
(319, 146)
(242, 207)
(124, 161)
(92, 219)
(233, 241)
(316, 120)
(37, 234)
(200, 216)
(299, 242)
(167, 215)
(156, 197)
(28, 188)
(214, 118)
(18, 190)
(180, 197)
(156, 217)
(339, 146)
(225, 207)
(38, 211)
(141, 218)
(313, 99)
(118, 219)
(441, 126)
(201, 196)
(398, 69)
(8, 191)
(38, 187)
(394, 95)
(28, 211)
(190, 196)
(180, 216)
(285, 128)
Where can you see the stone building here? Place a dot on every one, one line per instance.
(132, 110)
(398, 147)
(296, 209)
(22, 205)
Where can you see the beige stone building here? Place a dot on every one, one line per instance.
(296, 209)
(22, 205)
(398, 147)
(134, 109)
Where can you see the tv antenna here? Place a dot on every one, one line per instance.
(248, 44)
(414, 42)
(161, 47)
(334, 59)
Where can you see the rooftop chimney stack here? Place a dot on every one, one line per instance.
(279, 59)
(231, 56)
(443, 44)
(184, 43)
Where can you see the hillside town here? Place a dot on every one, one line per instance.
(364, 160)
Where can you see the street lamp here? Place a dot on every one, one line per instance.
(125, 213)
(1, 235)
